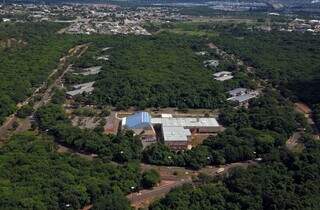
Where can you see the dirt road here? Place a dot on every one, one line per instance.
(173, 177)
(12, 124)
(144, 198)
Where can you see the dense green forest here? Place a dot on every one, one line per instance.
(284, 181)
(158, 71)
(121, 148)
(281, 57)
(28, 54)
(34, 176)
(290, 61)
(250, 133)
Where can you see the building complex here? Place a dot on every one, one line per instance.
(175, 132)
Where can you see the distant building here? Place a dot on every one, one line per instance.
(211, 63)
(103, 57)
(81, 88)
(223, 75)
(105, 49)
(166, 115)
(242, 96)
(89, 71)
(201, 53)
(238, 92)
(5, 20)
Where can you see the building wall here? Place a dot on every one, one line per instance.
(205, 129)
(210, 130)
(177, 145)
(148, 138)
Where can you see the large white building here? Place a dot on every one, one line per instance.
(177, 132)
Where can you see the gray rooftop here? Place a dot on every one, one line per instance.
(80, 91)
(175, 133)
(83, 85)
(186, 122)
(81, 88)
(89, 71)
(243, 98)
(176, 129)
(222, 73)
(238, 91)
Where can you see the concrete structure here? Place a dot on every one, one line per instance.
(103, 57)
(166, 115)
(176, 138)
(177, 132)
(81, 88)
(89, 71)
(223, 75)
(201, 53)
(242, 96)
(211, 63)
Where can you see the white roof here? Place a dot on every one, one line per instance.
(222, 73)
(224, 78)
(186, 122)
(123, 121)
(243, 98)
(175, 133)
(237, 91)
(89, 71)
(83, 85)
(166, 115)
(80, 91)
(81, 88)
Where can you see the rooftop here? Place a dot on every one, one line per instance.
(237, 91)
(136, 120)
(81, 88)
(89, 71)
(186, 122)
(175, 133)
(222, 73)
(224, 78)
(80, 91)
(83, 85)
(244, 97)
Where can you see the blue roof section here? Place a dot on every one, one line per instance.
(138, 120)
